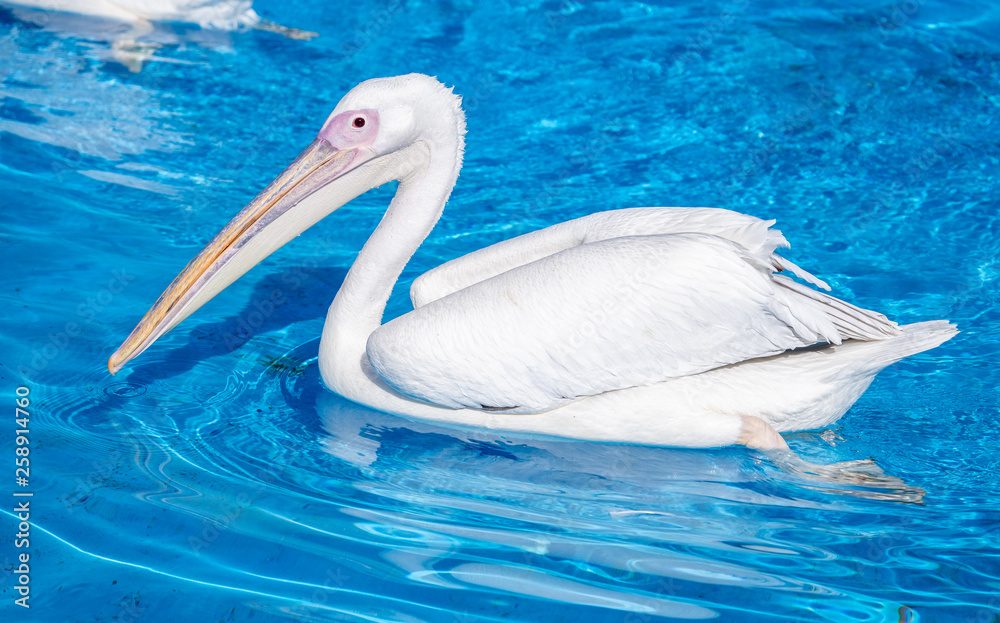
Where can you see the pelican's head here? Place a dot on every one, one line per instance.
(404, 110)
(384, 129)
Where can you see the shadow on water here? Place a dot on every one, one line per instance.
(279, 299)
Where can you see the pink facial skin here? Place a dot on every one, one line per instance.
(354, 128)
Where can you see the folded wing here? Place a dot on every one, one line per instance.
(753, 234)
(605, 315)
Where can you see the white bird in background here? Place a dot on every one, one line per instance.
(223, 14)
(137, 16)
(659, 326)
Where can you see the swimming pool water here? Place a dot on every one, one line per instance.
(215, 479)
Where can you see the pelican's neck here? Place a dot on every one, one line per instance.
(359, 305)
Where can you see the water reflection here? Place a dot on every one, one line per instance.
(626, 528)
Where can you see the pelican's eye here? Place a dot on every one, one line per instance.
(351, 129)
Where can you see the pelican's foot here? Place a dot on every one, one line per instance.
(757, 434)
(291, 33)
(864, 478)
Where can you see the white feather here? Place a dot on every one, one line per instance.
(602, 316)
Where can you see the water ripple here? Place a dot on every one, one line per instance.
(215, 478)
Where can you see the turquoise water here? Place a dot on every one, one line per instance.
(215, 479)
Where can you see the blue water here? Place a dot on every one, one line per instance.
(215, 479)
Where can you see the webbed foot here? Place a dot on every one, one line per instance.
(864, 478)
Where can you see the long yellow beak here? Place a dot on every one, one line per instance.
(238, 247)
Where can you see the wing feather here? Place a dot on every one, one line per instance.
(606, 315)
(750, 232)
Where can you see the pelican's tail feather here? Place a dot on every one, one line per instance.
(851, 322)
(914, 338)
(812, 387)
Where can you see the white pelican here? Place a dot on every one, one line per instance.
(658, 326)
(226, 14)
(221, 14)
